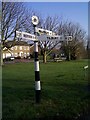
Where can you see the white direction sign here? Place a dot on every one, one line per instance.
(57, 38)
(26, 36)
(41, 31)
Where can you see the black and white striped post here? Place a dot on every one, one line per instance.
(36, 64)
(37, 74)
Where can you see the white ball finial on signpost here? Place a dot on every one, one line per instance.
(35, 20)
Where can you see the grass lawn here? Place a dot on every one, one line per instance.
(64, 91)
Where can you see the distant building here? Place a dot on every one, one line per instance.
(21, 49)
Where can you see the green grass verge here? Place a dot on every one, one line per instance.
(63, 95)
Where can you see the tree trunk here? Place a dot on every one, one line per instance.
(1, 57)
(44, 57)
(69, 56)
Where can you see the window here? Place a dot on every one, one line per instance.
(20, 47)
(15, 47)
(27, 48)
(15, 54)
(24, 47)
(28, 53)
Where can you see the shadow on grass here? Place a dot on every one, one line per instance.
(64, 102)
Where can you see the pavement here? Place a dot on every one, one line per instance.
(19, 61)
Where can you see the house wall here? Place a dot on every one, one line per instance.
(6, 54)
(18, 50)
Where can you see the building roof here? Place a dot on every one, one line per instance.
(14, 43)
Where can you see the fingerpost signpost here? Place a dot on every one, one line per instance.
(44, 35)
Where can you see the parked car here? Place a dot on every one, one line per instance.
(9, 59)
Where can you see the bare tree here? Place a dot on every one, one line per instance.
(14, 17)
(50, 23)
(47, 47)
(76, 47)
